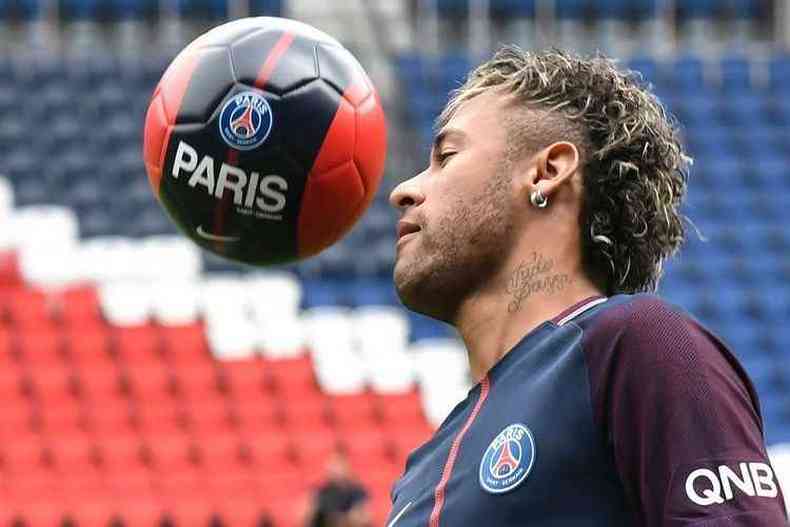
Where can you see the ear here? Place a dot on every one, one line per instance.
(554, 166)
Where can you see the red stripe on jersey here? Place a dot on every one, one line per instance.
(578, 305)
(438, 503)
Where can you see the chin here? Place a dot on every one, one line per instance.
(420, 291)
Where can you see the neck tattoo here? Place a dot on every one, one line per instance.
(533, 276)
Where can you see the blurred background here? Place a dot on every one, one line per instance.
(145, 383)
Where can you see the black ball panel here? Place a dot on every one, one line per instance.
(338, 67)
(210, 83)
(250, 54)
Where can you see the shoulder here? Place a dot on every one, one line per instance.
(647, 329)
(640, 342)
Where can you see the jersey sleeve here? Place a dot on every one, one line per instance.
(682, 422)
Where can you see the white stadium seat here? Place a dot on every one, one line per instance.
(273, 294)
(280, 336)
(50, 225)
(175, 302)
(442, 370)
(231, 339)
(380, 329)
(126, 303)
(391, 373)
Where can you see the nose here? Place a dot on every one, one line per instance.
(407, 194)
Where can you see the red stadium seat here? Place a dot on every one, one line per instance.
(354, 411)
(306, 413)
(8, 351)
(65, 419)
(366, 449)
(239, 511)
(209, 417)
(185, 344)
(401, 411)
(123, 455)
(10, 276)
(42, 347)
(257, 416)
(173, 453)
(246, 378)
(143, 509)
(29, 309)
(110, 418)
(16, 417)
(314, 449)
(198, 382)
(76, 455)
(151, 382)
(222, 453)
(293, 377)
(14, 383)
(270, 452)
(27, 455)
(88, 345)
(137, 345)
(101, 382)
(80, 307)
(54, 384)
(159, 418)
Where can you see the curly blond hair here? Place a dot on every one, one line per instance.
(634, 166)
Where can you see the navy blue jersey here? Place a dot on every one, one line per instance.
(620, 411)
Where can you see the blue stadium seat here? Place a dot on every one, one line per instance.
(698, 8)
(215, 9)
(735, 74)
(686, 75)
(425, 328)
(323, 292)
(453, 8)
(373, 291)
(573, 9)
(20, 9)
(266, 7)
(779, 69)
(647, 66)
(79, 9)
(631, 9)
(518, 8)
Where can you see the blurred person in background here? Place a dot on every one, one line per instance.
(340, 501)
(539, 230)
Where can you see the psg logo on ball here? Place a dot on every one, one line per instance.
(245, 120)
(508, 459)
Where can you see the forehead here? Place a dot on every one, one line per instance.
(481, 117)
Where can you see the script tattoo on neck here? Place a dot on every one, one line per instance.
(532, 276)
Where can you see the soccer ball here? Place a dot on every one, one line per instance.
(265, 140)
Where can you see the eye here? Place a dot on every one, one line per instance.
(442, 157)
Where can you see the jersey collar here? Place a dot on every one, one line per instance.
(577, 309)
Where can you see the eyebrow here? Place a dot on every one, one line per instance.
(446, 133)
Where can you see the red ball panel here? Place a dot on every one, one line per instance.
(162, 113)
(371, 148)
(331, 202)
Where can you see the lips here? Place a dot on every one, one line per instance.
(406, 227)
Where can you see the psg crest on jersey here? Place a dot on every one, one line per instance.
(245, 120)
(508, 459)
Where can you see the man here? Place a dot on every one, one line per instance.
(538, 230)
(340, 501)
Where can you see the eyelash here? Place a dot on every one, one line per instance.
(442, 157)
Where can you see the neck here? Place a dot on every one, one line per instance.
(531, 289)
